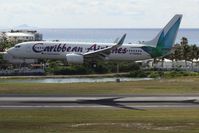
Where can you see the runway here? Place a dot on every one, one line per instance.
(134, 102)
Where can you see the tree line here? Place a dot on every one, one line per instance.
(184, 51)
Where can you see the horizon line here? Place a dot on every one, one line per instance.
(32, 28)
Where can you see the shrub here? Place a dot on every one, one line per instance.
(154, 74)
(138, 74)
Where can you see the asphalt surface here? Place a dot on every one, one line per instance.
(132, 102)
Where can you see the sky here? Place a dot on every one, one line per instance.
(97, 13)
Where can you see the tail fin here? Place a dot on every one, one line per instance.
(165, 40)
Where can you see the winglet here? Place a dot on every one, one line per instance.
(121, 41)
(116, 40)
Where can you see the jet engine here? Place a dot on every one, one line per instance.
(74, 58)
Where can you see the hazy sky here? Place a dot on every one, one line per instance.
(97, 13)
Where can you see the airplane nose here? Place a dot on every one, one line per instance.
(11, 51)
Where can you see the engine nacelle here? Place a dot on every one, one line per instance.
(74, 59)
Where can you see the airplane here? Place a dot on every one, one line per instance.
(81, 52)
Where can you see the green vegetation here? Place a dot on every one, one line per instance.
(99, 121)
(184, 51)
(5, 44)
(181, 85)
(58, 68)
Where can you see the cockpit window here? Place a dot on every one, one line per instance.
(18, 46)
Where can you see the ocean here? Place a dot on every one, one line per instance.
(109, 35)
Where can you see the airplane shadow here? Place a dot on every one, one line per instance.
(112, 102)
(104, 102)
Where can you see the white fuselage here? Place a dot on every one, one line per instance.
(59, 50)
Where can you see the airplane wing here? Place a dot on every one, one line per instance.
(103, 53)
